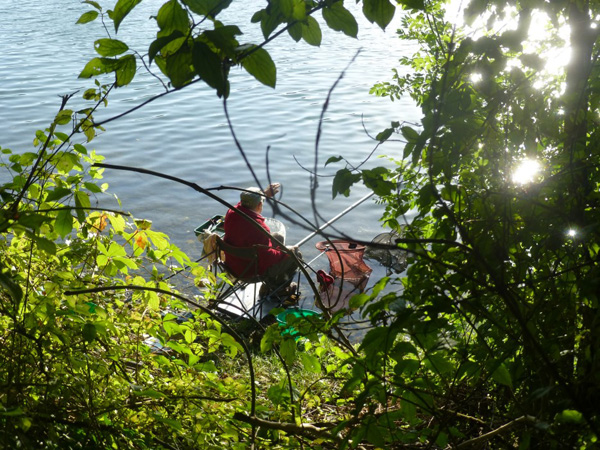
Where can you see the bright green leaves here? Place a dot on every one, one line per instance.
(166, 45)
(87, 17)
(110, 47)
(178, 68)
(97, 66)
(123, 67)
(279, 12)
(412, 4)
(63, 117)
(90, 15)
(172, 17)
(259, 64)
(175, 59)
(288, 350)
(569, 416)
(63, 223)
(311, 31)
(311, 363)
(301, 25)
(339, 18)
(122, 8)
(379, 11)
(207, 7)
(125, 72)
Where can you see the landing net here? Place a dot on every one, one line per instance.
(345, 259)
(348, 273)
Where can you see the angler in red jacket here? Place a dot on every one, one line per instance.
(274, 265)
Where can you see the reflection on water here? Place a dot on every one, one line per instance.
(186, 134)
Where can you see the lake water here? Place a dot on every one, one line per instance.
(186, 135)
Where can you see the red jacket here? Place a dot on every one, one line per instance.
(240, 232)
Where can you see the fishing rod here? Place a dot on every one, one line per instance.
(334, 219)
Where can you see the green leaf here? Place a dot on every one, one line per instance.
(358, 300)
(110, 47)
(179, 68)
(384, 135)
(343, 180)
(270, 20)
(288, 350)
(375, 179)
(437, 363)
(207, 7)
(171, 16)
(92, 3)
(569, 416)
(380, 12)
(63, 117)
(224, 39)
(207, 65)
(159, 240)
(260, 65)
(82, 202)
(62, 136)
(161, 42)
(11, 412)
(413, 4)
(117, 222)
(153, 300)
(89, 332)
(12, 288)
(92, 187)
(295, 31)
(502, 375)
(98, 66)
(125, 70)
(64, 223)
(339, 18)
(122, 8)
(311, 31)
(333, 159)
(269, 338)
(82, 199)
(311, 363)
(87, 17)
(32, 220)
(44, 244)
(151, 393)
(80, 149)
(409, 134)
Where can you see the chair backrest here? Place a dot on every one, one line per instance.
(249, 254)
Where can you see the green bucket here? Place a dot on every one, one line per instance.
(294, 312)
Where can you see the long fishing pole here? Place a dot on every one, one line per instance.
(343, 213)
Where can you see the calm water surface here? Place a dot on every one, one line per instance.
(186, 134)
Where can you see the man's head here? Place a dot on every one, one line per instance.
(252, 198)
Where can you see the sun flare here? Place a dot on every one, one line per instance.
(526, 172)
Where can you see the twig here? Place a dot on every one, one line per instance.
(304, 429)
(486, 437)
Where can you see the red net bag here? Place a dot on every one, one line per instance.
(345, 259)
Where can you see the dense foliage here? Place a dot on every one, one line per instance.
(489, 339)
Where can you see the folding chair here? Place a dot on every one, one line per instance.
(246, 303)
